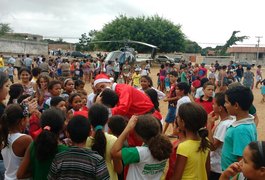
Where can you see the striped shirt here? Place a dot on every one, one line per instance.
(78, 163)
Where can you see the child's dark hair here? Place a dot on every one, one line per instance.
(152, 94)
(257, 149)
(3, 79)
(208, 83)
(174, 73)
(78, 83)
(117, 124)
(241, 95)
(22, 97)
(98, 116)
(148, 128)
(11, 117)
(35, 71)
(190, 113)
(220, 100)
(78, 129)
(162, 66)
(183, 86)
(15, 91)
(203, 81)
(46, 78)
(149, 80)
(52, 121)
(53, 83)
(56, 100)
(22, 70)
(109, 97)
(72, 96)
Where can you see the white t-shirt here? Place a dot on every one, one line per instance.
(142, 165)
(219, 134)
(184, 99)
(90, 99)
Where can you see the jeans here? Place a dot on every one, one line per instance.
(238, 78)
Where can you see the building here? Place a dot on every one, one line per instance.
(26, 36)
(247, 53)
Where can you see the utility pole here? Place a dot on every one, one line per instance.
(259, 37)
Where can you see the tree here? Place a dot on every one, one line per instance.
(4, 29)
(192, 47)
(232, 41)
(153, 30)
(84, 41)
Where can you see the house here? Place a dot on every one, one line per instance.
(247, 53)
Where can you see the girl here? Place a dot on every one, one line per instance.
(206, 101)
(13, 142)
(248, 80)
(16, 90)
(58, 102)
(74, 103)
(222, 79)
(263, 91)
(54, 89)
(192, 154)
(252, 166)
(79, 85)
(39, 155)
(217, 134)
(42, 90)
(100, 141)
(25, 76)
(258, 76)
(68, 87)
(147, 161)
(147, 83)
(126, 72)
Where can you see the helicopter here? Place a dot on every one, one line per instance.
(126, 52)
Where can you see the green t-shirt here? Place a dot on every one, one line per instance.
(252, 110)
(39, 169)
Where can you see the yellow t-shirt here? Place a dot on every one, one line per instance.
(110, 141)
(136, 79)
(195, 167)
(2, 64)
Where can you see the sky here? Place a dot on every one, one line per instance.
(207, 22)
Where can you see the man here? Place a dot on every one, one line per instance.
(131, 101)
(28, 62)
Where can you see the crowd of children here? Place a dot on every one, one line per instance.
(53, 129)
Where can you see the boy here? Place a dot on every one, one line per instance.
(172, 101)
(78, 162)
(182, 91)
(243, 131)
(54, 89)
(10, 72)
(136, 78)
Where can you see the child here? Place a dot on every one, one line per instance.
(15, 91)
(258, 76)
(248, 80)
(108, 97)
(35, 74)
(237, 102)
(147, 83)
(79, 85)
(182, 91)
(162, 76)
(152, 94)
(13, 142)
(263, 91)
(78, 162)
(54, 89)
(25, 76)
(167, 83)
(102, 142)
(252, 165)
(42, 90)
(206, 101)
(172, 101)
(193, 153)
(10, 72)
(58, 102)
(69, 87)
(147, 161)
(39, 155)
(136, 78)
(158, 81)
(217, 134)
(117, 124)
(74, 102)
(84, 98)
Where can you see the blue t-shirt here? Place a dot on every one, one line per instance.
(167, 82)
(237, 137)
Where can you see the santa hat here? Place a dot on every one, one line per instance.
(101, 78)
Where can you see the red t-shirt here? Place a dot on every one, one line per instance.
(207, 105)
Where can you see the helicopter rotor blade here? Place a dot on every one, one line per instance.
(143, 43)
(126, 42)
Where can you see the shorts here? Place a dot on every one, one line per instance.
(258, 78)
(171, 114)
(167, 89)
(162, 78)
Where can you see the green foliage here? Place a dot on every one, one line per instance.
(58, 41)
(192, 47)
(4, 29)
(84, 41)
(153, 30)
(232, 41)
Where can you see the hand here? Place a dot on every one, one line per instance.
(132, 122)
(212, 117)
(165, 100)
(99, 99)
(232, 170)
(33, 105)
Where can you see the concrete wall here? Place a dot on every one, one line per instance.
(8, 46)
